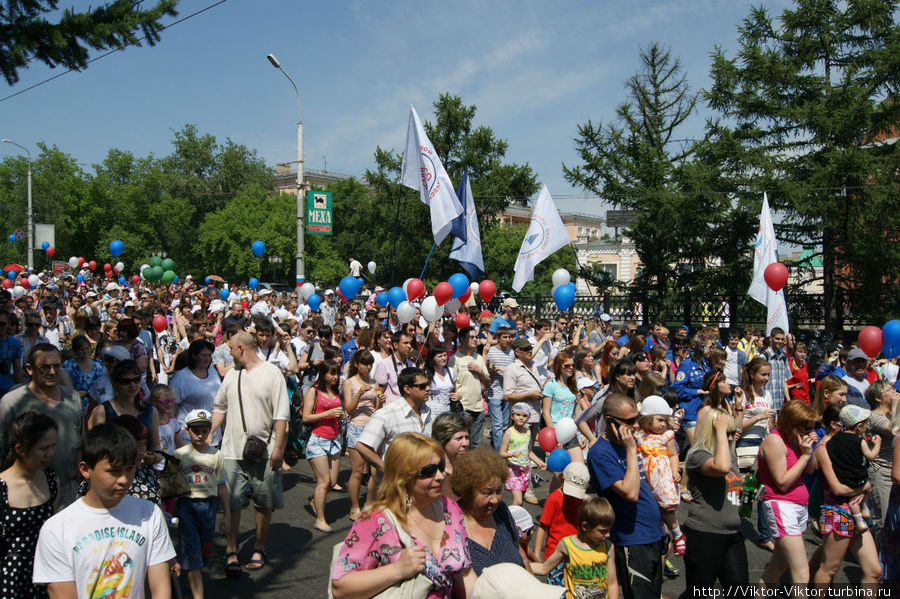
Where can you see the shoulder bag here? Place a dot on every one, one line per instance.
(255, 449)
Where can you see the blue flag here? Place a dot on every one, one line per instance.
(467, 242)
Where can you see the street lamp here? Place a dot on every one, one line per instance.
(300, 195)
(28, 211)
(275, 260)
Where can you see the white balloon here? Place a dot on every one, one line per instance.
(371, 267)
(73, 262)
(281, 315)
(33, 280)
(405, 283)
(561, 277)
(17, 292)
(473, 287)
(120, 266)
(452, 306)
(430, 309)
(565, 430)
(143, 266)
(405, 312)
(307, 289)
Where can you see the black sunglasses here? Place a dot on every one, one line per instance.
(421, 386)
(129, 381)
(430, 470)
(628, 421)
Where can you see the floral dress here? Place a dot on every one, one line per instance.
(19, 528)
(83, 381)
(658, 469)
(373, 542)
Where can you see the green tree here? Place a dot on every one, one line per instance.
(26, 35)
(804, 105)
(638, 164)
(500, 246)
(462, 147)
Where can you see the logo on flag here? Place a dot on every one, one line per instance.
(546, 234)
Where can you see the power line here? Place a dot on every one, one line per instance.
(105, 54)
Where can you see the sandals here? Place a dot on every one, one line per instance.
(312, 506)
(354, 514)
(686, 496)
(256, 564)
(232, 569)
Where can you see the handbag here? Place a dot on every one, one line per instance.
(416, 587)
(172, 482)
(255, 449)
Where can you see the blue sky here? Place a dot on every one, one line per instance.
(534, 70)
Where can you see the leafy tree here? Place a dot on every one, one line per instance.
(26, 35)
(501, 245)
(804, 104)
(638, 163)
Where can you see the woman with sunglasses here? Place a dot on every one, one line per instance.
(642, 365)
(715, 543)
(413, 538)
(785, 454)
(126, 400)
(559, 402)
(322, 412)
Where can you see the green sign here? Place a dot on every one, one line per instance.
(318, 212)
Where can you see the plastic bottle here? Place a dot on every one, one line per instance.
(749, 487)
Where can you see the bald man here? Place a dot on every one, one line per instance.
(254, 395)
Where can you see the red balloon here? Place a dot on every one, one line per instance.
(776, 276)
(6, 283)
(159, 323)
(462, 321)
(80, 261)
(871, 341)
(107, 267)
(415, 289)
(92, 265)
(50, 251)
(443, 292)
(465, 296)
(245, 304)
(485, 314)
(487, 289)
(135, 279)
(547, 439)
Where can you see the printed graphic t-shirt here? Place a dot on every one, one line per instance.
(105, 552)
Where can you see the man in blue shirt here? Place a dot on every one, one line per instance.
(617, 475)
(630, 331)
(508, 318)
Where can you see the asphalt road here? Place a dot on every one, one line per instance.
(299, 556)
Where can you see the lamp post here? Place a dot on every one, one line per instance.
(301, 198)
(30, 237)
(274, 261)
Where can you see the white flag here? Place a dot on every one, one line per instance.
(765, 253)
(545, 235)
(422, 169)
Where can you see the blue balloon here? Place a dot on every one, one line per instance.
(224, 294)
(359, 283)
(206, 280)
(121, 280)
(12, 238)
(175, 280)
(116, 247)
(79, 278)
(11, 274)
(382, 299)
(258, 248)
(396, 296)
(564, 296)
(459, 282)
(348, 287)
(253, 283)
(314, 301)
(891, 334)
(558, 460)
(45, 245)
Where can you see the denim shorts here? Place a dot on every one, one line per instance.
(257, 480)
(353, 433)
(318, 446)
(196, 528)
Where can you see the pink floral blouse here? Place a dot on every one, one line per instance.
(373, 542)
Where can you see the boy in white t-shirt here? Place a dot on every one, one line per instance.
(107, 543)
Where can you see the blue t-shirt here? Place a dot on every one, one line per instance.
(563, 400)
(502, 322)
(636, 523)
(10, 351)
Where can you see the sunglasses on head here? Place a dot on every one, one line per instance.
(430, 470)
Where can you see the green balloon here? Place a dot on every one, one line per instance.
(157, 272)
(168, 277)
(155, 261)
(168, 264)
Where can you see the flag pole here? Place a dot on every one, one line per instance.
(396, 233)
(434, 245)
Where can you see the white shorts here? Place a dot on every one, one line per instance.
(783, 518)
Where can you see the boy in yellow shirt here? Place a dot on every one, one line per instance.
(589, 573)
(204, 469)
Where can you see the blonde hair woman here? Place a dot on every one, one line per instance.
(413, 536)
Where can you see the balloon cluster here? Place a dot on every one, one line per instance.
(551, 438)
(158, 270)
(563, 289)
(886, 340)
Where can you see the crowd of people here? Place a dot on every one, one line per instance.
(133, 415)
